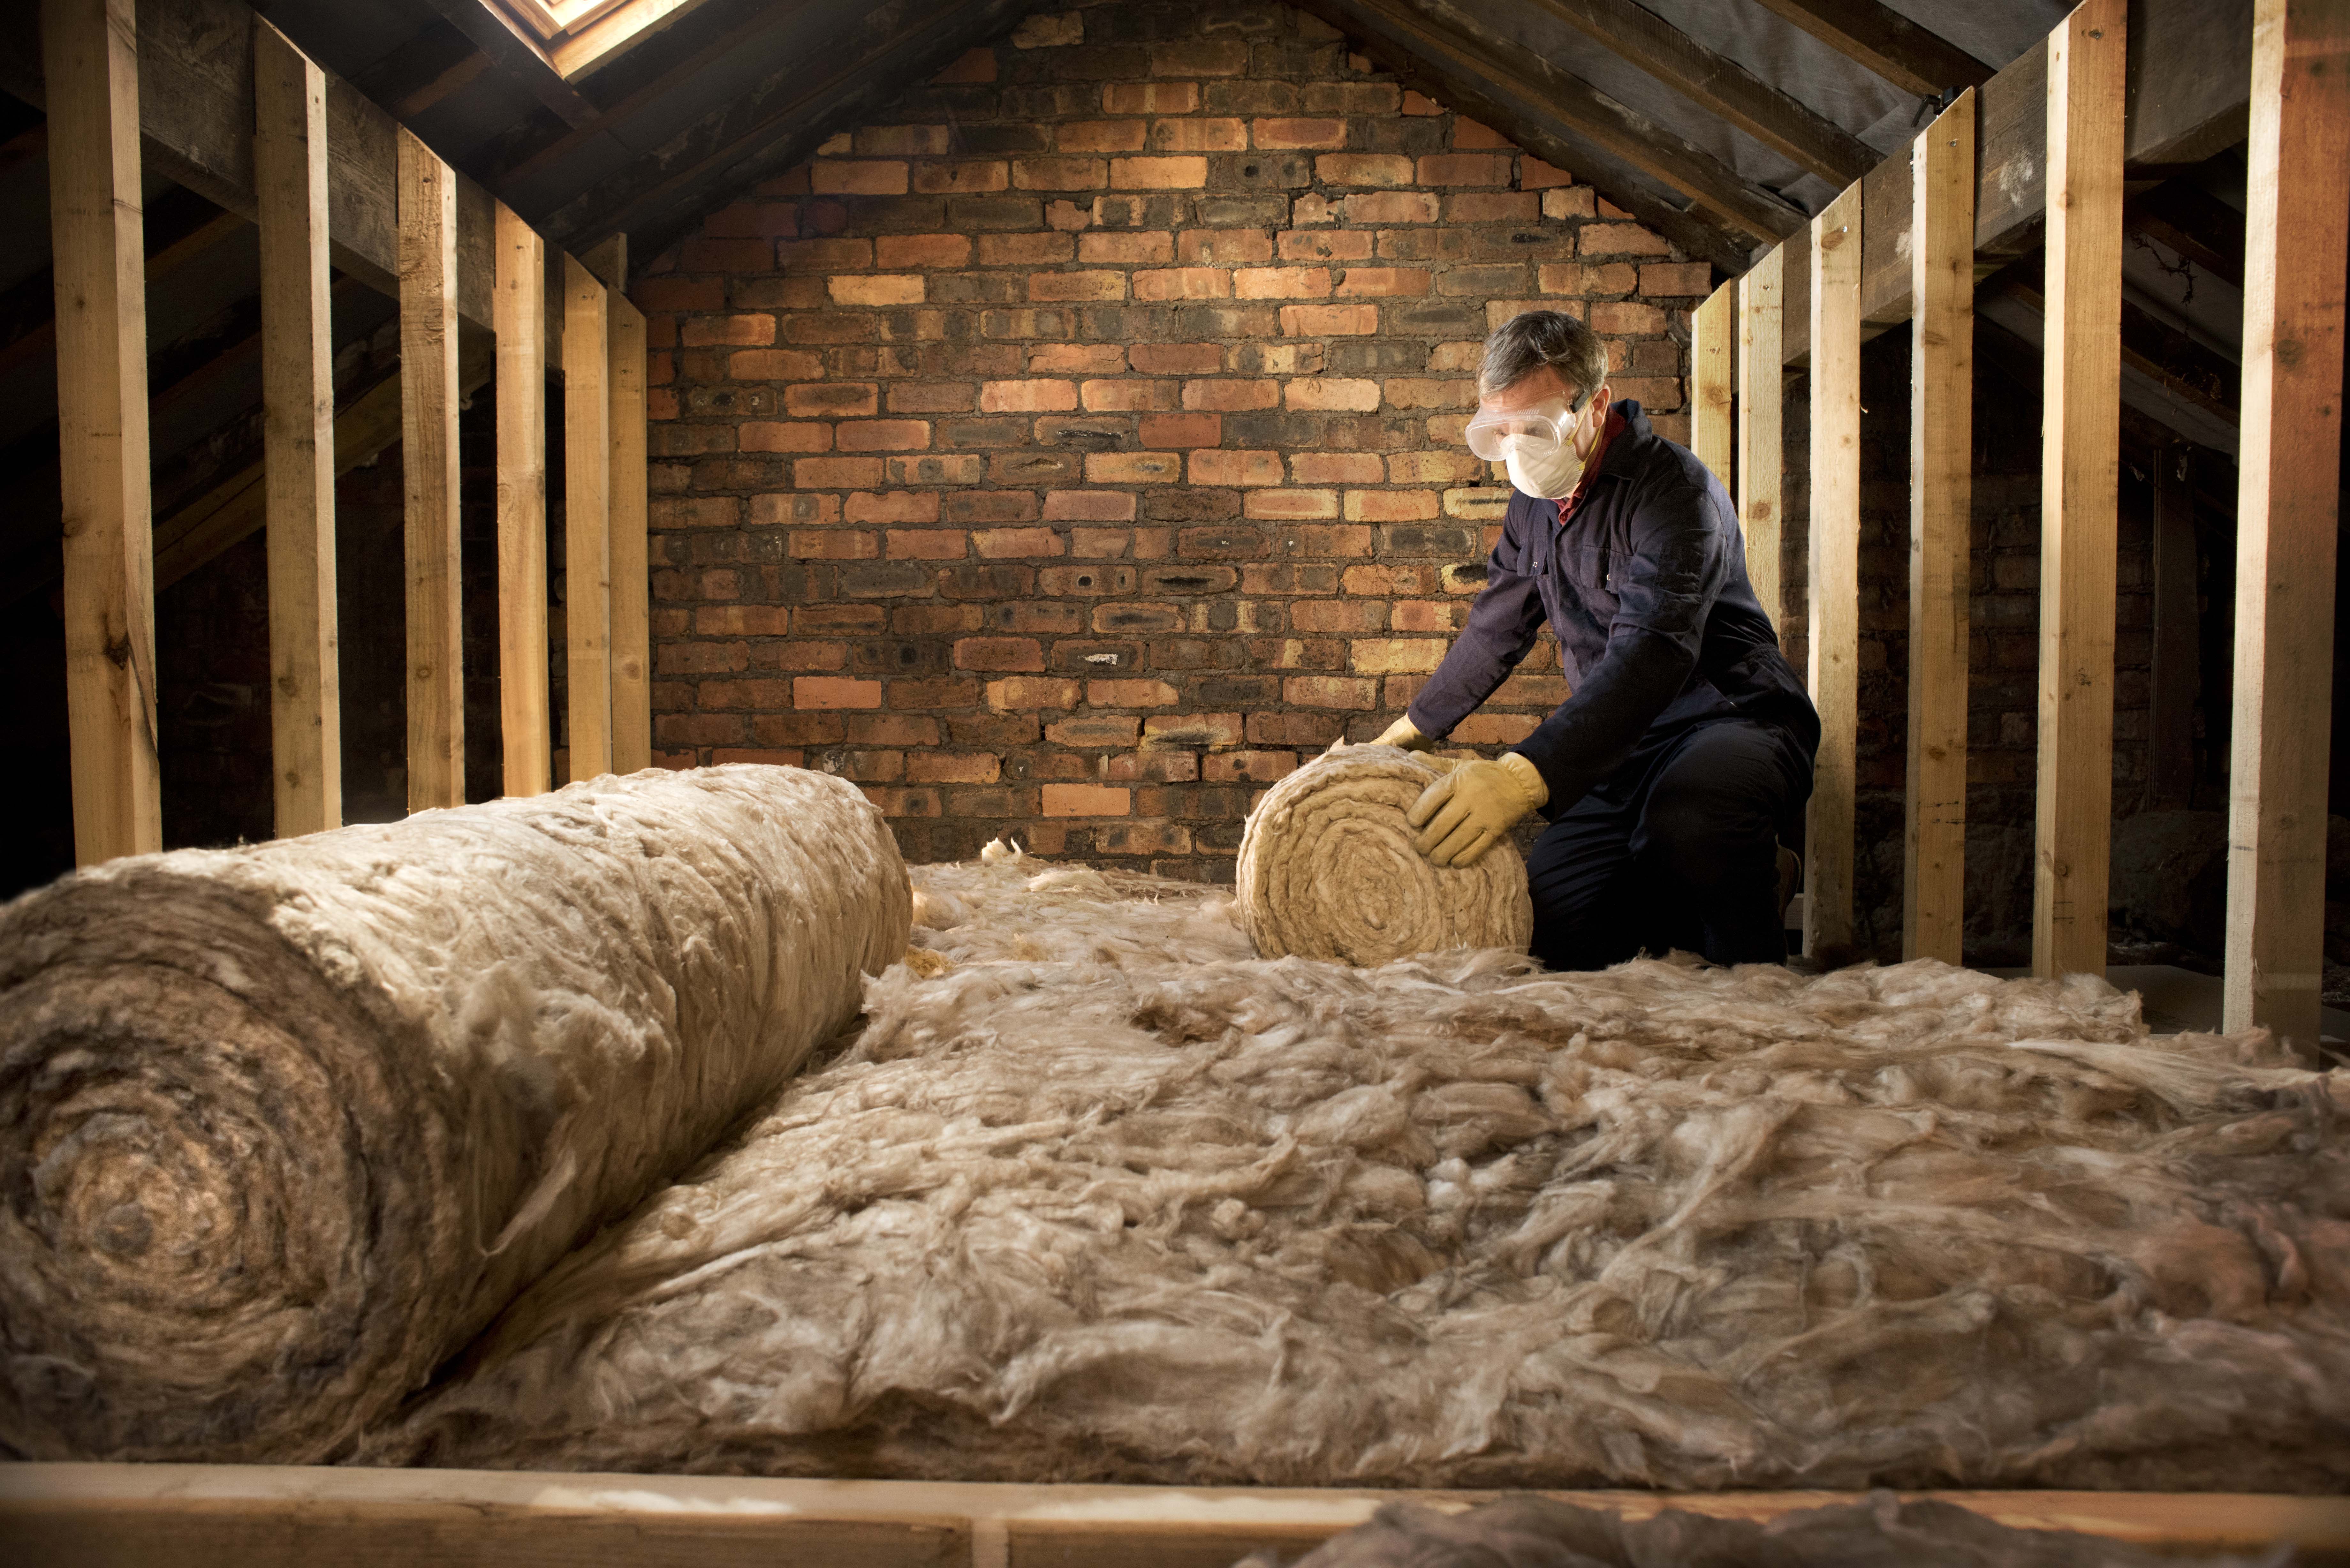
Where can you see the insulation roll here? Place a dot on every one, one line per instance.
(281, 1127)
(1327, 869)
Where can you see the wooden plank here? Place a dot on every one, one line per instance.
(297, 399)
(1834, 595)
(632, 714)
(2287, 511)
(1941, 453)
(2080, 464)
(1761, 391)
(266, 1516)
(1720, 85)
(586, 518)
(2178, 672)
(429, 474)
(609, 260)
(1886, 41)
(1713, 362)
(89, 57)
(523, 717)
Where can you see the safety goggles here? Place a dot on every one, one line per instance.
(1490, 433)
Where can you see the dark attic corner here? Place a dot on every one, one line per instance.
(1362, 783)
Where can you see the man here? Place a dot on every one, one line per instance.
(1684, 752)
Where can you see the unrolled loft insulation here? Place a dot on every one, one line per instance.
(282, 1127)
(1111, 1199)
(1327, 869)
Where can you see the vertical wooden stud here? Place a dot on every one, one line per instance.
(89, 57)
(2080, 459)
(297, 404)
(1712, 360)
(2287, 511)
(518, 314)
(1941, 439)
(2177, 673)
(632, 717)
(428, 434)
(1762, 389)
(1834, 588)
(586, 527)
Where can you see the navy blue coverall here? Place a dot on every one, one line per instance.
(1684, 753)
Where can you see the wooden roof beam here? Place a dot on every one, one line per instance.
(1438, 32)
(519, 58)
(1810, 140)
(1886, 42)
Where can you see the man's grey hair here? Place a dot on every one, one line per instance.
(1531, 340)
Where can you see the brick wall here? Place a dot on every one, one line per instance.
(1074, 449)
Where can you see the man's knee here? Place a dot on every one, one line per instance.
(1702, 838)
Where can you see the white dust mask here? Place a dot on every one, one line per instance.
(1544, 467)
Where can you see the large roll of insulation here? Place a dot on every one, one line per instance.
(1327, 869)
(282, 1127)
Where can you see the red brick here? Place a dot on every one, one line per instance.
(1021, 692)
(1533, 174)
(876, 178)
(893, 506)
(1150, 247)
(704, 331)
(726, 256)
(1024, 250)
(1328, 539)
(835, 473)
(1420, 104)
(1230, 394)
(1329, 320)
(1566, 204)
(1089, 507)
(1085, 800)
(1236, 468)
(1125, 395)
(881, 435)
(1098, 544)
(742, 620)
(835, 692)
(1057, 173)
(1659, 392)
(999, 653)
(1432, 467)
(1164, 431)
(1194, 246)
(964, 177)
(1390, 505)
(1004, 544)
(1470, 133)
(1027, 397)
(1391, 207)
(1140, 467)
(1183, 283)
(1078, 359)
(1207, 135)
(922, 250)
(1365, 282)
(1330, 691)
(1199, 57)
(753, 220)
(1281, 283)
(654, 294)
(794, 507)
(1315, 134)
(927, 544)
(1626, 318)
(1290, 504)
(1465, 169)
(1094, 729)
(1618, 239)
(1057, 285)
(832, 400)
(1142, 694)
(1100, 136)
(1150, 97)
(1331, 392)
(775, 365)
(940, 768)
(771, 435)
(1336, 468)
(1677, 277)
(1326, 245)
(1391, 656)
(1176, 359)
(1365, 168)
(832, 544)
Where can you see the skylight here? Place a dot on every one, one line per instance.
(578, 36)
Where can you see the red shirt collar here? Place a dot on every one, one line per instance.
(1573, 501)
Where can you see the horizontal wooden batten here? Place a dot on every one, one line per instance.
(262, 1516)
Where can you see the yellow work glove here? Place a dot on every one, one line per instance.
(1462, 814)
(1402, 732)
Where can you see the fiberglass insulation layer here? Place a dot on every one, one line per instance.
(1110, 1198)
(282, 1127)
(1327, 869)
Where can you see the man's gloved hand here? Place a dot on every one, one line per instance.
(1402, 732)
(1465, 811)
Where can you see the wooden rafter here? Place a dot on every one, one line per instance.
(2194, 223)
(1716, 83)
(1886, 42)
(519, 58)
(1438, 30)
